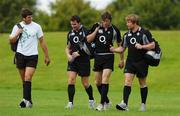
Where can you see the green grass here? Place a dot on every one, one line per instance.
(50, 83)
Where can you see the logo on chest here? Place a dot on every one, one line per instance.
(75, 39)
(133, 40)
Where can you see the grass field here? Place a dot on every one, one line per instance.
(50, 83)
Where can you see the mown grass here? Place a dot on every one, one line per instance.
(50, 83)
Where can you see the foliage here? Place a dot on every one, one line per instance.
(10, 12)
(156, 14)
(63, 10)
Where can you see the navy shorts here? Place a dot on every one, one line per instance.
(23, 61)
(103, 62)
(82, 67)
(140, 68)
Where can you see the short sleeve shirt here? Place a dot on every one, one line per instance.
(28, 43)
(104, 38)
(75, 37)
(141, 36)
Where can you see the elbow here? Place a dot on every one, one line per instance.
(11, 40)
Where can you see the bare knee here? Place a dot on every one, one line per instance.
(85, 82)
(71, 81)
(28, 77)
(142, 82)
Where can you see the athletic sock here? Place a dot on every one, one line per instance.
(71, 92)
(126, 93)
(89, 91)
(104, 93)
(144, 93)
(107, 99)
(27, 90)
(23, 89)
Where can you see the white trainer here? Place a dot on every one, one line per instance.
(100, 107)
(69, 105)
(28, 104)
(143, 107)
(107, 105)
(92, 104)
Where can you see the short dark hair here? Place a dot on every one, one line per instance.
(25, 12)
(106, 15)
(75, 18)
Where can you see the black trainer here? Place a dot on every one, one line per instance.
(22, 104)
(26, 104)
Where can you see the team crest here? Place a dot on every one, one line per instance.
(72, 34)
(80, 33)
(108, 32)
(129, 34)
(138, 33)
(100, 31)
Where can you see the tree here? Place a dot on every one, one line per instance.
(62, 10)
(10, 12)
(155, 14)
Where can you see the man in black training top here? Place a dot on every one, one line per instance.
(138, 41)
(104, 34)
(78, 61)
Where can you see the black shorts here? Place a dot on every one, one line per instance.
(81, 67)
(139, 68)
(23, 61)
(103, 62)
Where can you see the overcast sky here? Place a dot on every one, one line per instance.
(98, 4)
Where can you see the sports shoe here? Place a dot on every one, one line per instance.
(91, 104)
(69, 105)
(100, 107)
(107, 105)
(25, 104)
(122, 106)
(143, 107)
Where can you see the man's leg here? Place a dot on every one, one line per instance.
(126, 91)
(71, 85)
(89, 91)
(26, 76)
(22, 74)
(105, 85)
(98, 81)
(29, 71)
(127, 88)
(88, 87)
(144, 93)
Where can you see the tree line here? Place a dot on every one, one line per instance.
(154, 14)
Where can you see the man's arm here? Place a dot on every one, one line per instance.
(91, 36)
(13, 39)
(146, 47)
(45, 50)
(72, 56)
(121, 62)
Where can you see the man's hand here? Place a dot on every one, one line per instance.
(139, 46)
(47, 61)
(75, 54)
(111, 48)
(121, 64)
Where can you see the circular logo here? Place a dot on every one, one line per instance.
(102, 39)
(133, 40)
(76, 39)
